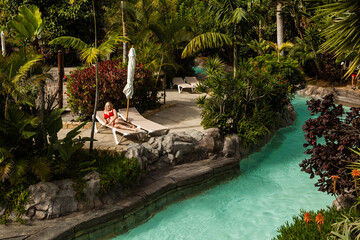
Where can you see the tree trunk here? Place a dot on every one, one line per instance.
(60, 76)
(235, 52)
(124, 29)
(95, 105)
(279, 26)
(96, 86)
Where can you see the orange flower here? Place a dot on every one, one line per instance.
(307, 218)
(319, 220)
(355, 173)
(335, 178)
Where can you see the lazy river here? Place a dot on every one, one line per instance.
(268, 192)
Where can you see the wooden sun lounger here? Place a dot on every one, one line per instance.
(181, 84)
(192, 80)
(139, 121)
(140, 134)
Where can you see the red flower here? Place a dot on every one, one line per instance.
(140, 64)
(64, 83)
(64, 92)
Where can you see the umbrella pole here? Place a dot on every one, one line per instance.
(127, 109)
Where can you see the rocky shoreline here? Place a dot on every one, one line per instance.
(342, 95)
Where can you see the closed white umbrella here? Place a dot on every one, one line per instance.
(3, 50)
(129, 87)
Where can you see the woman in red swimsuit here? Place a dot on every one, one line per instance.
(111, 118)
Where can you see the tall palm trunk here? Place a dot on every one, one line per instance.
(124, 29)
(96, 86)
(279, 26)
(160, 68)
(235, 52)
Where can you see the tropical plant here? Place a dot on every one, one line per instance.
(14, 71)
(259, 46)
(247, 104)
(347, 227)
(116, 171)
(279, 48)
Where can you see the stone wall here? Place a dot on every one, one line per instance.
(53, 199)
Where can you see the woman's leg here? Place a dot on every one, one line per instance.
(121, 126)
(122, 122)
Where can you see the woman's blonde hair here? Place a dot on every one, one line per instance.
(108, 104)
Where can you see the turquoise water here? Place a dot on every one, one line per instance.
(199, 70)
(269, 191)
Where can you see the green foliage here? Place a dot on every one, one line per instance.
(13, 198)
(286, 68)
(28, 23)
(81, 88)
(298, 229)
(116, 170)
(247, 104)
(348, 227)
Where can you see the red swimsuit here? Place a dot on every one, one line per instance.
(106, 116)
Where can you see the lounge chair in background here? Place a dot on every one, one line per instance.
(192, 81)
(181, 84)
(140, 134)
(139, 121)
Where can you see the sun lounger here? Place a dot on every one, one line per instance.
(192, 80)
(139, 121)
(181, 84)
(140, 134)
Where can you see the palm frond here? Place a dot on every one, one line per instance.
(26, 67)
(206, 40)
(41, 168)
(237, 15)
(69, 42)
(5, 171)
(89, 55)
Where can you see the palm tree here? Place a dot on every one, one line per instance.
(28, 26)
(14, 70)
(342, 36)
(280, 48)
(230, 14)
(91, 54)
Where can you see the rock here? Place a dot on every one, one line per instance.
(41, 191)
(231, 146)
(344, 201)
(183, 147)
(2, 210)
(39, 215)
(30, 212)
(167, 144)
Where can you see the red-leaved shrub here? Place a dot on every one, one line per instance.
(112, 80)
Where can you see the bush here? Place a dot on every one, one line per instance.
(287, 68)
(116, 171)
(329, 138)
(112, 80)
(298, 230)
(246, 105)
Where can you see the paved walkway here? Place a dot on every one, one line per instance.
(181, 113)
